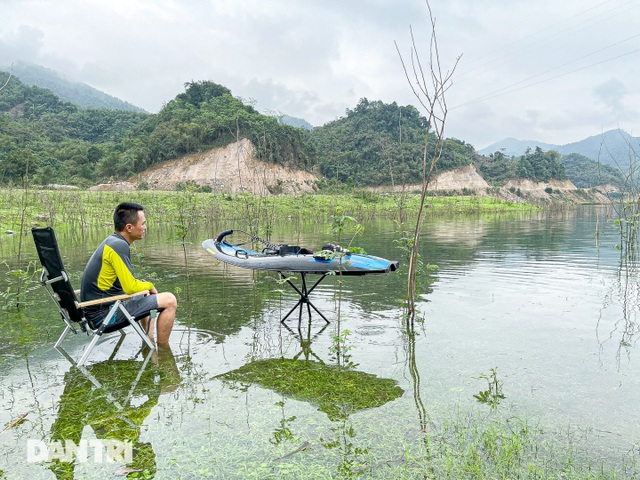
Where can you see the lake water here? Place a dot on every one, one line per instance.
(540, 298)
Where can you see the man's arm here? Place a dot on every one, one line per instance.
(120, 271)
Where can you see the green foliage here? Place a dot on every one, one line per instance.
(373, 144)
(493, 395)
(61, 142)
(71, 145)
(497, 168)
(380, 144)
(585, 173)
(206, 115)
(540, 166)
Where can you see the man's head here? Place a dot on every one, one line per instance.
(129, 221)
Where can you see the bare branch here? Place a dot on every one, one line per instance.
(7, 82)
(431, 95)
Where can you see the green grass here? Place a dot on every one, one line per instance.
(83, 209)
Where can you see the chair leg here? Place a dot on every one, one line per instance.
(136, 326)
(86, 353)
(97, 334)
(63, 336)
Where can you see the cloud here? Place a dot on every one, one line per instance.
(22, 44)
(316, 58)
(613, 95)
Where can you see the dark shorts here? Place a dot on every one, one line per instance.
(139, 307)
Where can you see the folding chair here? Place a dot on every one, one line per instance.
(57, 283)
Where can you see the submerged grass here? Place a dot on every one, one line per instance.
(467, 446)
(335, 390)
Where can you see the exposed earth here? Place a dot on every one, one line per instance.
(235, 168)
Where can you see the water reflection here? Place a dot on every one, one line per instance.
(335, 390)
(535, 295)
(113, 398)
(410, 335)
(625, 293)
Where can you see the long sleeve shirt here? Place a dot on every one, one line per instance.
(109, 272)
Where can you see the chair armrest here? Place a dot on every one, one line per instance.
(115, 298)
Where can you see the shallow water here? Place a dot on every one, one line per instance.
(540, 298)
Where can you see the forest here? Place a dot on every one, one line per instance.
(53, 141)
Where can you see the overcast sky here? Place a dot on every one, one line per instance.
(555, 71)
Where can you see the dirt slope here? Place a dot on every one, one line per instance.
(230, 169)
(463, 178)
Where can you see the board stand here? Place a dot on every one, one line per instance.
(304, 293)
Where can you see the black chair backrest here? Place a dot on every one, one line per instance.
(49, 255)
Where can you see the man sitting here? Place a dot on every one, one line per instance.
(109, 272)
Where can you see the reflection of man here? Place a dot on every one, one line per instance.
(108, 410)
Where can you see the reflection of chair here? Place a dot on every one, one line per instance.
(58, 285)
(113, 398)
(96, 383)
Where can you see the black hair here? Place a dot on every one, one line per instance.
(126, 212)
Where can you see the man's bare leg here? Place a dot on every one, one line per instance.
(164, 323)
(147, 325)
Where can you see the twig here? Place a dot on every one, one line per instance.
(15, 422)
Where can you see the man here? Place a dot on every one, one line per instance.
(109, 272)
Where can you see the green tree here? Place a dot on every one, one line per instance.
(541, 166)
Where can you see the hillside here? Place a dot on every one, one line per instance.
(233, 168)
(77, 93)
(65, 144)
(374, 144)
(377, 143)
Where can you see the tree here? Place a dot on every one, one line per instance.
(430, 88)
(541, 166)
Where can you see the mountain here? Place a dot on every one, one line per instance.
(608, 148)
(295, 122)
(77, 93)
(512, 147)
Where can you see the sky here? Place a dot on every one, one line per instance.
(555, 71)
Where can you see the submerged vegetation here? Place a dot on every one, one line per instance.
(336, 391)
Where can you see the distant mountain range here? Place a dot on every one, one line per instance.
(608, 148)
(84, 95)
(295, 122)
(77, 93)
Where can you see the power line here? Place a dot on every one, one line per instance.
(502, 91)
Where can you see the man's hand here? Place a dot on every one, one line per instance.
(153, 291)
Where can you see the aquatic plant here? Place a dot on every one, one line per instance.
(334, 390)
(493, 395)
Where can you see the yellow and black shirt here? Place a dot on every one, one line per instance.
(109, 272)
